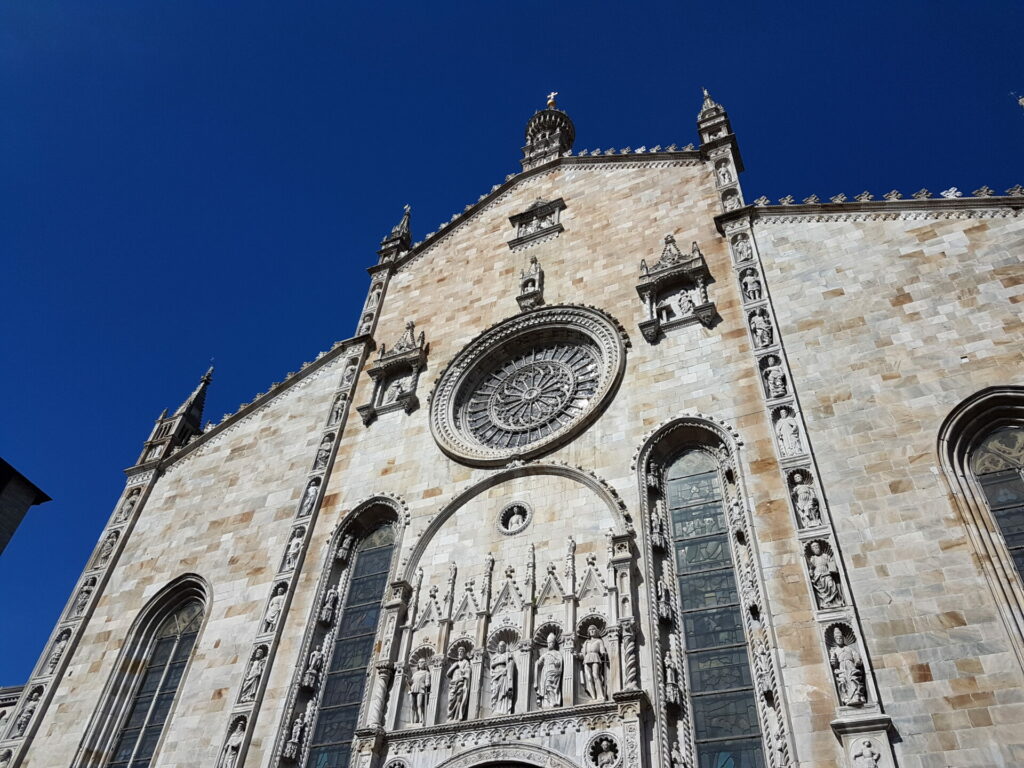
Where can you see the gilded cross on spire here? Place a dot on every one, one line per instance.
(551, 99)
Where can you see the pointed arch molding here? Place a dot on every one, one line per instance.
(623, 521)
(691, 428)
(95, 747)
(961, 431)
(530, 754)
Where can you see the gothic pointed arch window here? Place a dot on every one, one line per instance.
(140, 695)
(998, 466)
(348, 647)
(725, 717)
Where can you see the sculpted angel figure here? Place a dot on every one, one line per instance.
(595, 658)
(503, 680)
(458, 686)
(419, 690)
(548, 673)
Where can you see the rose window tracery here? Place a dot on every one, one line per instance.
(526, 383)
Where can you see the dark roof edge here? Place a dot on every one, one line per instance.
(7, 473)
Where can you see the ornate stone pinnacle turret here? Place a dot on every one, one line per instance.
(174, 431)
(549, 134)
(399, 239)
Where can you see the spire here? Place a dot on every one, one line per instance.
(713, 123)
(176, 430)
(708, 105)
(399, 239)
(549, 134)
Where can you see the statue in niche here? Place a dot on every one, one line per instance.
(664, 595)
(516, 520)
(848, 667)
(751, 285)
(349, 374)
(724, 174)
(864, 755)
(806, 501)
(394, 391)
(674, 306)
(251, 681)
(595, 658)
(677, 756)
(731, 202)
(548, 673)
(274, 608)
(293, 747)
(323, 453)
(458, 686)
(57, 651)
(336, 409)
(309, 497)
(232, 747)
(106, 550)
(606, 754)
(374, 297)
(824, 576)
(127, 507)
(328, 606)
(742, 247)
(366, 325)
(311, 677)
(761, 328)
(27, 711)
(503, 680)
(787, 430)
(775, 378)
(419, 691)
(291, 555)
(7, 755)
(671, 676)
(82, 601)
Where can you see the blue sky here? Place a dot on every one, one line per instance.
(182, 180)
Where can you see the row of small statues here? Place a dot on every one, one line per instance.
(548, 670)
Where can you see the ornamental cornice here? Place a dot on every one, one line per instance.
(873, 210)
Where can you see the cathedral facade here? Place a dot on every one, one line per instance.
(619, 470)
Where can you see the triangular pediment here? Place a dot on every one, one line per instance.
(508, 599)
(551, 592)
(467, 609)
(592, 585)
(431, 613)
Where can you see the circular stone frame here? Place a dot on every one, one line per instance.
(506, 514)
(603, 339)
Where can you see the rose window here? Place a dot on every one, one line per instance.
(526, 383)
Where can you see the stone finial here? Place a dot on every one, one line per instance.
(840, 198)
(787, 200)
(984, 191)
(1015, 191)
(952, 193)
(893, 195)
(812, 200)
(762, 201)
(864, 197)
(922, 194)
(551, 99)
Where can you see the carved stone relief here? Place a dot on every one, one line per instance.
(741, 248)
(28, 711)
(84, 594)
(787, 432)
(548, 674)
(750, 282)
(603, 752)
(674, 290)
(323, 453)
(805, 499)
(823, 571)
(57, 650)
(275, 606)
(309, 496)
(776, 383)
(847, 665)
(294, 548)
(761, 328)
(253, 674)
(395, 376)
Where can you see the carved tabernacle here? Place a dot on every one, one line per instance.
(396, 374)
(674, 291)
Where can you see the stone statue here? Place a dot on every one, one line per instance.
(58, 650)
(82, 601)
(848, 667)
(761, 328)
(724, 174)
(328, 606)
(787, 430)
(775, 378)
(106, 550)
(251, 681)
(127, 507)
(395, 390)
(293, 747)
(548, 673)
(458, 686)
(806, 501)
(824, 577)
(5, 758)
(516, 520)
(751, 285)
(291, 555)
(864, 755)
(503, 680)
(419, 690)
(732, 202)
(606, 754)
(677, 756)
(229, 757)
(311, 677)
(25, 717)
(349, 374)
(664, 594)
(336, 409)
(595, 657)
(743, 250)
(323, 452)
(309, 497)
(274, 609)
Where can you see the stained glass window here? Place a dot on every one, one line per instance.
(331, 742)
(998, 464)
(722, 694)
(164, 667)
